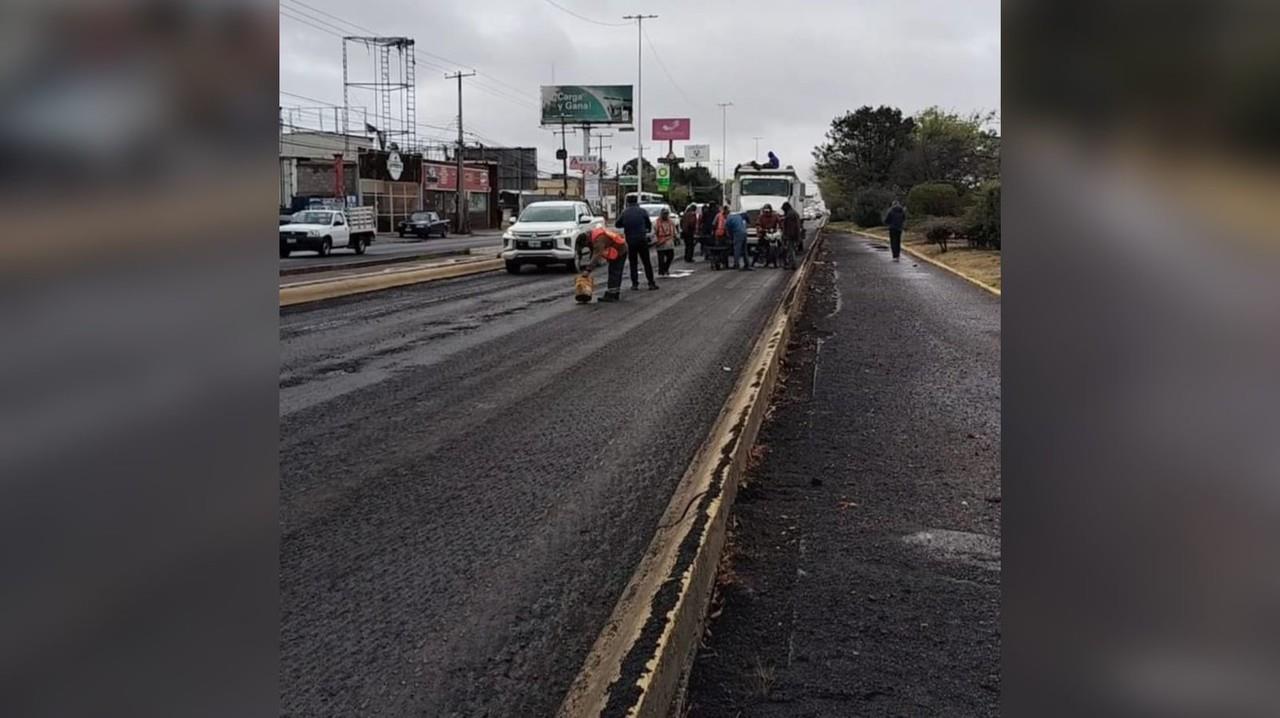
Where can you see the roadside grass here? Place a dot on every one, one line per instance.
(981, 264)
(763, 678)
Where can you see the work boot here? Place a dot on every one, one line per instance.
(653, 286)
(610, 296)
(635, 286)
(747, 268)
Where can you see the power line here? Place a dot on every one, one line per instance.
(667, 72)
(418, 52)
(584, 18)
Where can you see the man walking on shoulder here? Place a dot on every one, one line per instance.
(896, 218)
(635, 225)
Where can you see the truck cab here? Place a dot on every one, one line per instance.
(750, 189)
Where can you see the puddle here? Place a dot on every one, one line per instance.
(976, 549)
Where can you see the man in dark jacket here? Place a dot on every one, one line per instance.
(688, 230)
(635, 225)
(896, 218)
(792, 229)
(707, 224)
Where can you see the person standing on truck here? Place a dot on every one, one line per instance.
(610, 247)
(689, 230)
(636, 225)
(896, 218)
(664, 234)
(736, 227)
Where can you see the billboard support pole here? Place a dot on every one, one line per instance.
(564, 163)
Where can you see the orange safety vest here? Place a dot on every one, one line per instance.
(720, 222)
(616, 246)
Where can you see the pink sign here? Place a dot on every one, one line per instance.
(671, 128)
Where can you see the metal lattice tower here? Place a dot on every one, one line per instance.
(394, 103)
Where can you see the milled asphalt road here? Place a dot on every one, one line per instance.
(470, 471)
(388, 246)
(864, 568)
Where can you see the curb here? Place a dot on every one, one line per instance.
(934, 262)
(329, 289)
(639, 664)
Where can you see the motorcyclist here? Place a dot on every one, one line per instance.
(792, 229)
(766, 221)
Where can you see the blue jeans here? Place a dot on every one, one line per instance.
(740, 250)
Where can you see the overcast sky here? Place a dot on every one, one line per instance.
(788, 67)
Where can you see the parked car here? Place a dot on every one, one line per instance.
(323, 230)
(285, 216)
(544, 234)
(424, 224)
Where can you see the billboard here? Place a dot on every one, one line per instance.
(697, 153)
(586, 104)
(440, 176)
(671, 128)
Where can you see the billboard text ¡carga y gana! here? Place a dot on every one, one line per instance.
(586, 104)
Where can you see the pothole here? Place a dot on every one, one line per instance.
(963, 546)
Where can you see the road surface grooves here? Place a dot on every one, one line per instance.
(470, 472)
(863, 573)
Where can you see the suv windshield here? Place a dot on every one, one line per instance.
(313, 218)
(535, 213)
(654, 209)
(773, 186)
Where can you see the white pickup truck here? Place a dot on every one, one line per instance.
(545, 234)
(323, 230)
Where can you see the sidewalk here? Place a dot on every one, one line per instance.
(863, 573)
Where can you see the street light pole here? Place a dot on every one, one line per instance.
(724, 124)
(757, 139)
(639, 94)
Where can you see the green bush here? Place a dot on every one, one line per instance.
(988, 215)
(940, 230)
(937, 199)
(870, 205)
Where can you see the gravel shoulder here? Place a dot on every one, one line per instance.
(863, 571)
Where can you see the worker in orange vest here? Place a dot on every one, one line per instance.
(606, 246)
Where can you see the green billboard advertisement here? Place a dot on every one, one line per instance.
(586, 104)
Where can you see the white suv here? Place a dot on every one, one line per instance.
(545, 233)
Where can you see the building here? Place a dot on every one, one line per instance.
(439, 192)
(555, 184)
(517, 166)
(391, 183)
(309, 165)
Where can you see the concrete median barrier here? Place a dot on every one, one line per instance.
(640, 661)
(316, 290)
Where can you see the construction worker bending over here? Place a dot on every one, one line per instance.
(606, 246)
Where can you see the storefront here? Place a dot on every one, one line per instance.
(391, 183)
(439, 190)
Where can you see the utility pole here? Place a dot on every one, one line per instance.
(757, 139)
(564, 162)
(639, 94)
(724, 125)
(459, 206)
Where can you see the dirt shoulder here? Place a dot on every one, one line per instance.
(862, 575)
(981, 264)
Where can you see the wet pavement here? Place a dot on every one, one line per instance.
(470, 470)
(863, 571)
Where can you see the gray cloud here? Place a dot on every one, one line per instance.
(787, 67)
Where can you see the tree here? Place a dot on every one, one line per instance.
(703, 186)
(861, 150)
(650, 173)
(961, 150)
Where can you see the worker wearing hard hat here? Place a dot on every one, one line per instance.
(605, 246)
